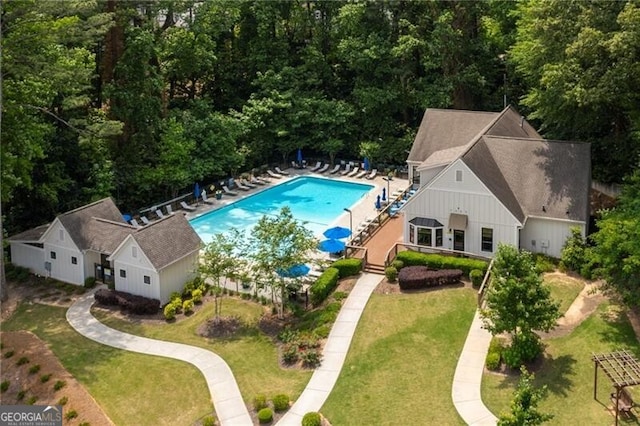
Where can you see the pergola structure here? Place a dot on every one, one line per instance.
(622, 368)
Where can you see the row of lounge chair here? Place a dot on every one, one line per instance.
(348, 171)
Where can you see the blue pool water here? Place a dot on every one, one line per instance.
(316, 201)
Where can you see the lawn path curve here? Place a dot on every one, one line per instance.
(227, 401)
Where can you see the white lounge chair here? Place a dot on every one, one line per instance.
(335, 169)
(247, 183)
(257, 180)
(135, 223)
(323, 168)
(353, 172)
(205, 198)
(228, 191)
(274, 174)
(187, 207)
(145, 220)
(282, 172)
(373, 174)
(169, 209)
(159, 214)
(241, 186)
(346, 170)
(316, 167)
(361, 174)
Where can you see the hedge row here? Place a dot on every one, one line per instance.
(134, 304)
(439, 261)
(324, 285)
(413, 277)
(347, 267)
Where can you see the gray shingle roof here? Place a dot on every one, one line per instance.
(167, 240)
(31, 235)
(81, 226)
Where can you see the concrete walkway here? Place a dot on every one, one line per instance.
(335, 351)
(467, 379)
(229, 405)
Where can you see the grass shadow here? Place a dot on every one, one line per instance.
(556, 374)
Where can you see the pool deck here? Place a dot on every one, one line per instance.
(361, 211)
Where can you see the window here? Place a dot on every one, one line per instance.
(439, 237)
(134, 251)
(147, 279)
(123, 273)
(458, 175)
(424, 236)
(412, 230)
(487, 239)
(52, 255)
(61, 233)
(74, 260)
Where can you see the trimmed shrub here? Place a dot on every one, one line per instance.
(209, 421)
(259, 402)
(322, 332)
(312, 419)
(34, 369)
(414, 277)
(391, 273)
(493, 361)
(22, 361)
(187, 306)
(9, 354)
(71, 414)
(280, 402)
(398, 264)
(340, 295)
(59, 385)
(265, 415)
(63, 400)
(290, 354)
(311, 358)
(90, 282)
(324, 285)
(196, 295)
(32, 400)
(347, 267)
(4, 385)
(106, 297)
(476, 276)
(523, 349)
(45, 378)
(169, 311)
(438, 261)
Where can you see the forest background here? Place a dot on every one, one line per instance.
(140, 99)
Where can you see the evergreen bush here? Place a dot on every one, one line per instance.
(476, 276)
(312, 419)
(324, 285)
(347, 267)
(265, 415)
(259, 402)
(391, 273)
(280, 402)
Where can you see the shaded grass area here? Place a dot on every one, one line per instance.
(251, 354)
(568, 371)
(131, 388)
(401, 363)
(564, 289)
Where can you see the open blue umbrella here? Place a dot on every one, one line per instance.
(331, 246)
(337, 232)
(384, 194)
(196, 191)
(378, 205)
(126, 217)
(295, 271)
(299, 158)
(366, 164)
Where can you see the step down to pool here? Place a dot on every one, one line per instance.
(374, 268)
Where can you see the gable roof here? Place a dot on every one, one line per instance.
(535, 177)
(167, 240)
(30, 235)
(80, 223)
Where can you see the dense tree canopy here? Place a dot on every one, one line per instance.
(140, 99)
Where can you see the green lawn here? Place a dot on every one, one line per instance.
(402, 360)
(569, 372)
(133, 389)
(564, 289)
(251, 355)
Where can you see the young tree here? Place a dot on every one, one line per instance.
(524, 403)
(617, 249)
(278, 244)
(518, 303)
(217, 261)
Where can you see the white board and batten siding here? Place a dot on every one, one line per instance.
(428, 174)
(548, 236)
(174, 276)
(68, 264)
(130, 267)
(28, 256)
(446, 195)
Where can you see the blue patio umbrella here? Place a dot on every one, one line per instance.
(337, 232)
(196, 191)
(384, 194)
(295, 271)
(367, 166)
(299, 158)
(126, 217)
(378, 205)
(331, 246)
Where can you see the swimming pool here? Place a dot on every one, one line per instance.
(316, 201)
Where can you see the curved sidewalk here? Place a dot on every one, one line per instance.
(467, 379)
(335, 351)
(227, 400)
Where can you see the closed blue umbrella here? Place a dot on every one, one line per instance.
(331, 246)
(384, 194)
(295, 271)
(366, 164)
(299, 156)
(337, 232)
(196, 191)
(378, 205)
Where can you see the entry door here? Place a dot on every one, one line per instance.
(458, 240)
